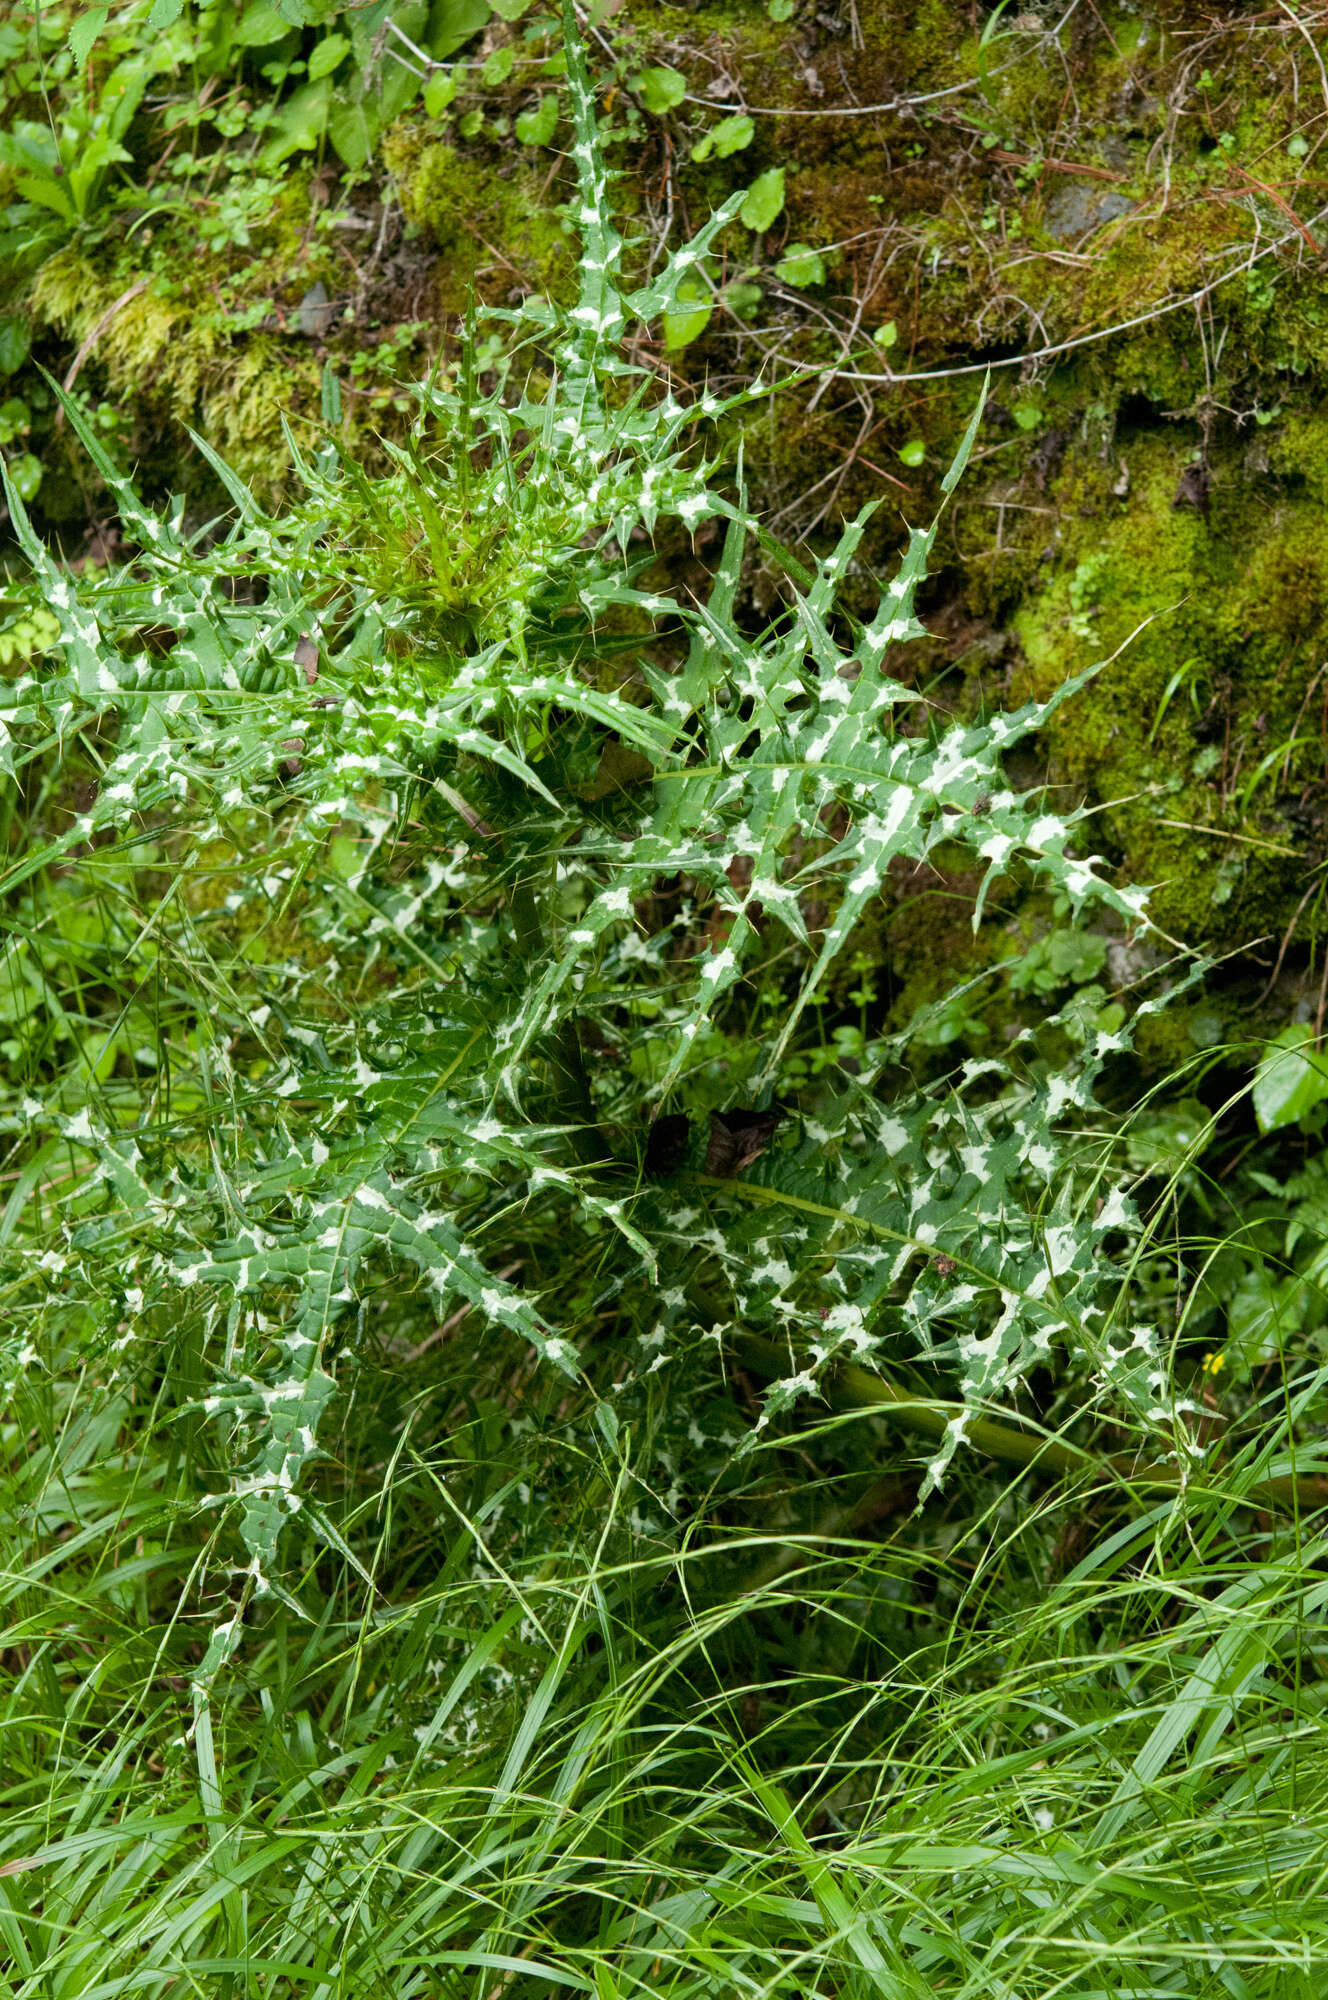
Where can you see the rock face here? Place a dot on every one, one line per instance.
(1076, 211)
(1114, 213)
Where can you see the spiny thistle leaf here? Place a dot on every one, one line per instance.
(449, 749)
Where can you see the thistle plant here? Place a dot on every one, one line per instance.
(370, 801)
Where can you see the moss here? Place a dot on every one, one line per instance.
(479, 207)
(182, 373)
(1227, 616)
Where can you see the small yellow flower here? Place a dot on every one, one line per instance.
(1214, 1363)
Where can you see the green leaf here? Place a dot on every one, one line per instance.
(887, 335)
(780, 10)
(537, 127)
(451, 24)
(15, 417)
(25, 472)
(1027, 415)
(686, 323)
(302, 122)
(165, 14)
(764, 200)
(1291, 1079)
(801, 266)
(326, 55)
(47, 192)
(510, 10)
(85, 32)
(352, 129)
(743, 298)
(730, 136)
(439, 92)
(498, 64)
(912, 453)
(258, 27)
(660, 89)
(15, 342)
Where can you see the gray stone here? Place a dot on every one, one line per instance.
(1076, 210)
(315, 312)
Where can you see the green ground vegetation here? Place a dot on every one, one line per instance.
(662, 978)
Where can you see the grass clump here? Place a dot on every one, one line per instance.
(417, 924)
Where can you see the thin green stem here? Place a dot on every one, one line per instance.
(849, 1386)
